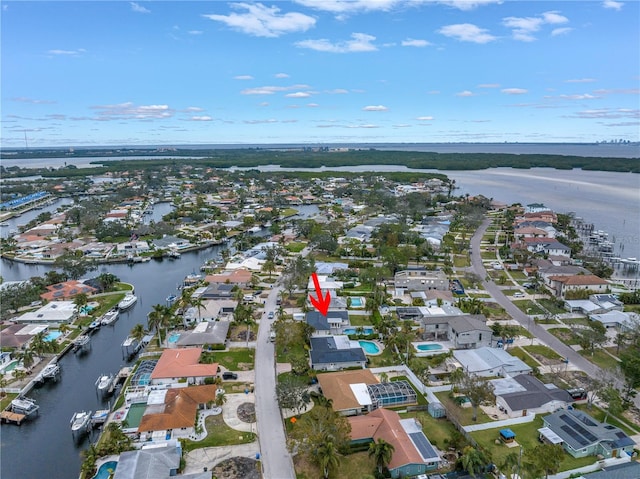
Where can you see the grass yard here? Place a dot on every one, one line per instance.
(460, 261)
(240, 359)
(219, 434)
(295, 247)
(288, 212)
(384, 359)
(351, 466)
(543, 351)
(518, 352)
(360, 320)
(464, 414)
(526, 304)
(578, 321)
(489, 255)
(518, 275)
(563, 334)
(438, 431)
(551, 306)
(527, 437)
(600, 358)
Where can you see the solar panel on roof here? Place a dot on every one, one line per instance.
(590, 437)
(579, 439)
(422, 444)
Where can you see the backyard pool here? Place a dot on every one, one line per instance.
(103, 471)
(52, 335)
(369, 347)
(429, 348)
(134, 416)
(86, 309)
(357, 302)
(174, 337)
(9, 367)
(352, 330)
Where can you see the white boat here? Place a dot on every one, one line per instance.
(173, 254)
(50, 371)
(4, 224)
(81, 343)
(80, 422)
(23, 405)
(100, 416)
(103, 383)
(109, 317)
(128, 301)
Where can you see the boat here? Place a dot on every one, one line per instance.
(81, 343)
(128, 301)
(100, 416)
(50, 371)
(4, 224)
(171, 299)
(80, 422)
(109, 317)
(103, 383)
(173, 254)
(94, 324)
(23, 405)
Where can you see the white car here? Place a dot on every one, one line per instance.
(518, 295)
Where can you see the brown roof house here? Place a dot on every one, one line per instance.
(67, 290)
(171, 413)
(589, 283)
(180, 364)
(413, 453)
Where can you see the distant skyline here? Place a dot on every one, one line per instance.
(89, 73)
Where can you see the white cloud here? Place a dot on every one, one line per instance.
(410, 42)
(467, 32)
(489, 85)
(270, 90)
(375, 108)
(612, 4)
(338, 91)
(610, 113)
(138, 8)
(201, 118)
(243, 77)
(467, 4)
(77, 52)
(23, 99)
(298, 94)
(523, 28)
(425, 118)
(261, 21)
(281, 75)
(623, 91)
(561, 31)
(258, 122)
(465, 93)
(128, 110)
(195, 32)
(349, 6)
(514, 91)
(585, 96)
(580, 80)
(313, 105)
(194, 109)
(361, 43)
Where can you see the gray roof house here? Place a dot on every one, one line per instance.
(488, 362)
(420, 279)
(465, 331)
(332, 353)
(327, 325)
(206, 332)
(627, 470)
(157, 462)
(582, 435)
(525, 394)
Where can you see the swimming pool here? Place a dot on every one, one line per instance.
(352, 330)
(86, 309)
(52, 335)
(427, 348)
(357, 302)
(103, 471)
(369, 347)
(10, 366)
(174, 338)
(134, 416)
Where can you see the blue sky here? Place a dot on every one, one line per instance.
(319, 71)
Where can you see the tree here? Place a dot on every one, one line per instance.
(327, 457)
(382, 452)
(269, 267)
(244, 315)
(158, 319)
(595, 335)
(79, 301)
(510, 463)
(545, 459)
(292, 393)
(473, 460)
(478, 391)
(107, 280)
(221, 398)
(73, 265)
(138, 332)
(27, 358)
(317, 426)
(612, 397)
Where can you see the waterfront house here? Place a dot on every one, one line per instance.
(206, 332)
(581, 435)
(151, 460)
(240, 277)
(328, 325)
(67, 290)
(171, 413)
(525, 394)
(182, 365)
(331, 353)
(590, 283)
(486, 362)
(465, 331)
(55, 312)
(211, 310)
(413, 454)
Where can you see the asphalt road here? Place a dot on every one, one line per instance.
(276, 459)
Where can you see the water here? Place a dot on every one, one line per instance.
(52, 335)
(365, 330)
(428, 347)
(103, 471)
(356, 302)
(10, 230)
(174, 338)
(369, 347)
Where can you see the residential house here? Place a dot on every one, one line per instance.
(171, 413)
(239, 277)
(413, 454)
(626, 470)
(617, 319)
(157, 461)
(211, 310)
(206, 332)
(55, 312)
(182, 364)
(328, 325)
(525, 394)
(590, 283)
(67, 290)
(547, 246)
(19, 335)
(219, 291)
(331, 353)
(596, 304)
(420, 279)
(486, 362)
(581, 435)
(464, 332)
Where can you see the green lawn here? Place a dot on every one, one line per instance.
(526, 304)
(384, 359)
(351, 466)
(542, 351)
(219, 434)
(439, 431)
(551, 306)
(582, 321)
(520, 353)
(464, 414)
(563, 334)
(295, 247)
(600, 358)
(288, 212)
(360, 320)
(527, 437)
(234, 359)
(488, 255)
(460, 261)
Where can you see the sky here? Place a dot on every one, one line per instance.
(93, 73)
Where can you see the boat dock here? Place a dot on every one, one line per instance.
(12, 417)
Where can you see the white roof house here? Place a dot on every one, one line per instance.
(53, 312)
(489, 361)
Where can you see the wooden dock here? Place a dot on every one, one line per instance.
(12, 417)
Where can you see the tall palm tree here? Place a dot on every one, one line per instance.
(198, 303)
(19, 374)
(473, 460)
(80, 300)
(221, 399)
(137, 332)
(382, 452)
(27, 358)
(159, 319)
(327, 457)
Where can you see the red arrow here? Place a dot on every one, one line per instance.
(321, 304)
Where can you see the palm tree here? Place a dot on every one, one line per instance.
(27, 358)
(382, 452)
(327, 457)
(80, 300)
(473, 460)
(198, 303)
(138, 332)
(244, 315)
(19, 374)
(221, 398)
(107, 280)
(269, 267)
(158, 319)
(3, 384)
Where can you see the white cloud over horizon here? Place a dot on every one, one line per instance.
(136, 7)
(514, 91)
(375, 108)
(523, 28)
(467, 32)
(411, 42)
(360, 42)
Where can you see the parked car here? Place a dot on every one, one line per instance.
(518, 295)
(229, 375)
(270, 315)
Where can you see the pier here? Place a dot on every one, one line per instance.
(9, 417)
